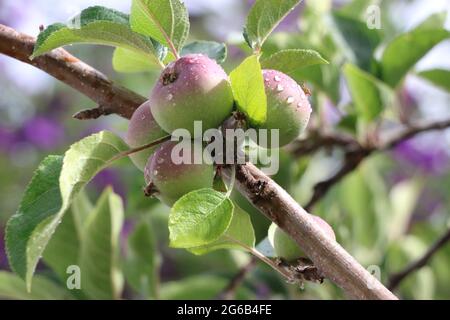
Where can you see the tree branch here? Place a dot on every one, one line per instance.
(398, 277)
(272, 200)
(327, 255)
(356, 154)
(112, 99)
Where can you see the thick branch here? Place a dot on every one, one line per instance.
(112, 99)
(397, 278)
(327, 255)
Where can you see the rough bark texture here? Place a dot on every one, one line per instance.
(328, 256)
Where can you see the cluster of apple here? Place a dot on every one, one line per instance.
(195, 88)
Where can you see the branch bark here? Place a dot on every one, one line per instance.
(397, 278)
(111, 99)
(328, 256)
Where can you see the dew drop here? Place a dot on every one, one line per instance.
(170, 97)
(160, 161)
(155, 172)
(266, 80)
(280, 88)
(277, 79)
(290, 100)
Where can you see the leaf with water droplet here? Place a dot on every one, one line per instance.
(249, 92)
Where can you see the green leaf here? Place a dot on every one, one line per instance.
(407, 49)
(291, 60)
(85, 159)
(199, 218)
(55, 184)
(14, 288)
(98, 25)
(203, 287)
(99, 260)
(167, 21)
(367, 92)
(264, 17)
(215, 50)
(357, 41)
(247, 83)
(63, 249)
(129, 61)
(143, 260)
(438, 77)
(40, 203)
(239, 231)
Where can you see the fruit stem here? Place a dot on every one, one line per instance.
(139, 149)
(264, 259)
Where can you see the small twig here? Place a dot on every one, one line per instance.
(351, 162)
(397, 278)
(355, 156)
(413, 131)
(263, 258)
(91, 114)
(315, 141)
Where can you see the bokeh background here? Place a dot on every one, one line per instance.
(386, 214)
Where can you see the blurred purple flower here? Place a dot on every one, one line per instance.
(43, 133)
(422, 152)
(110, 177)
